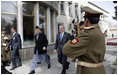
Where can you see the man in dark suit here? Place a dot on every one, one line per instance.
(15, 44)
(40, 51)
(74, 34)
(62, 38)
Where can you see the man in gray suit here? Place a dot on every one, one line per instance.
(62, 38)
(15, 44)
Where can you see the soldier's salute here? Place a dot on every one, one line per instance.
(89, 47)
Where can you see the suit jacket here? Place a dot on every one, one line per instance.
(40, 43)
(15, 42)
(90, 47)
(72, 36)
(59, 44)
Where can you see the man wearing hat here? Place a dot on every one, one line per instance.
(89, 47)
(40, 51)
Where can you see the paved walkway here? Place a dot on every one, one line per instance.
(110, 58)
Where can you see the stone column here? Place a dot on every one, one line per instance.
(37, 14)
(54, 24)
(79, 12)
(48, 24)
(20, 21)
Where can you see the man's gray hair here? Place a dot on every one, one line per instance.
(62, 26)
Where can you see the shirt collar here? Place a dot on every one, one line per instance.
(62, 33)
(93, 26)
(14, 33)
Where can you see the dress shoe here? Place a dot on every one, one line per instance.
(8, 72)
(12, 68)
(63, 71)
(49, 66)
(32, 72)
(38, 62)
(19, 65)
(68, 65)
(7, 64)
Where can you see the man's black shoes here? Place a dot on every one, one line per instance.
(68, 65)
(49, 66)
(63, 71)
(12, 68)
(32, 72)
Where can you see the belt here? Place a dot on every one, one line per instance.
(86, 64)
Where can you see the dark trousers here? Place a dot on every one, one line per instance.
(63, 60)
(15, 58)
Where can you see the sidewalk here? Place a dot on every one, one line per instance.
(110, 58)
(56, 68)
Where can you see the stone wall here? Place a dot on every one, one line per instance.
(27, 53)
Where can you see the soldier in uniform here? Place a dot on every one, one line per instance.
(4, 42)
(5, 54)
(89, 47)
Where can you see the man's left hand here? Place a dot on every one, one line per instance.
(44, 48)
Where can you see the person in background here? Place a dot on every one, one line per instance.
(5, 54)
(61, 38)
(40, 50)
(74, 34)
(81, 24)
(105, 34)
(15, 44)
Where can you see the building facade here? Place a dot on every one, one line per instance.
(25, 15)
(69, 10)
(113, 31)
(48, 15)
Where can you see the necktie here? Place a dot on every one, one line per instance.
(60, 37)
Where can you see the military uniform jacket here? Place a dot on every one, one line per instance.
(89, 47)
(5, 54)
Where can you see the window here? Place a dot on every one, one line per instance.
(70, 5)
(62, 7)
(42, 18)
(9, 6)
(8, 15)
(28, 21)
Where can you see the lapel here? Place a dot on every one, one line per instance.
(36, 37)
(59, 37)
(13, 36)
(63, 36)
